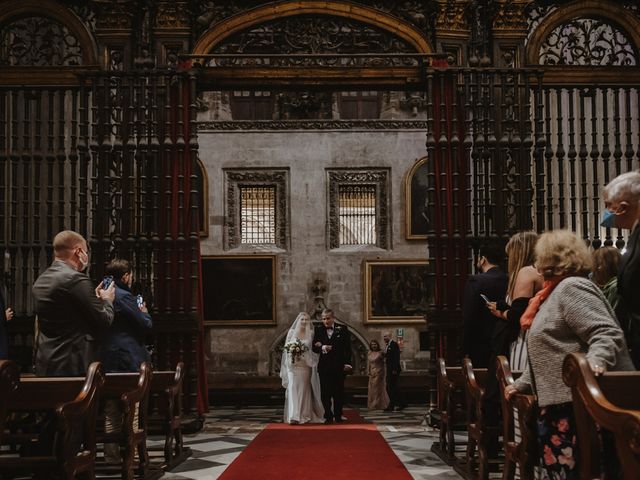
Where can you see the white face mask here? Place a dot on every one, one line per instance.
(84, 263)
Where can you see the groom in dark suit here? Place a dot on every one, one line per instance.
(333, 344)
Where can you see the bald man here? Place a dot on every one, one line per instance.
(72, 315)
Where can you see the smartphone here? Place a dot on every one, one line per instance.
(485, 298)
(106, 281)
(139, 301)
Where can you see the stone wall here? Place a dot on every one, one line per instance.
(307, 154)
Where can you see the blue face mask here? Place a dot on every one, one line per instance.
(608, 219)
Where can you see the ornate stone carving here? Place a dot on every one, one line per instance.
(417, 12)
(453, 15)
(116, 59)
(38, 41)
(234, 179)
(114, 14)
(587, 41)
(304, 105)
(313, 125)
(304, 35)
(510, 15)
(172, 15)
(378, 177)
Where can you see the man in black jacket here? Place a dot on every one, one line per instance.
(478, 322)
(392, 362)
(478, 336)
(333, 344)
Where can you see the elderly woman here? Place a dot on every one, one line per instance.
(568, 315)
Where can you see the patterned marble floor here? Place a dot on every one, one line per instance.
(228, 431)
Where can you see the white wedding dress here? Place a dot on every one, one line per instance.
(302, 403)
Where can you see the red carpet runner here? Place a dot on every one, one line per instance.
(350, 450)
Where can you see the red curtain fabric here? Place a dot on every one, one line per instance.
(450, 206)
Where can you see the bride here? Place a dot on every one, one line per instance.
(299, 374)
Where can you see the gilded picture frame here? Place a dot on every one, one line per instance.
(395, 291)
(415, 186)
(239, 290)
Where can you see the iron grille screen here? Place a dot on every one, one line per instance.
(258, 214)
(357, 214)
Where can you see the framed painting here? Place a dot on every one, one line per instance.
(395, 291)
(239, 290)
(416, 183)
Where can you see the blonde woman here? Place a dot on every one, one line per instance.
(524, 282)
(569, 314)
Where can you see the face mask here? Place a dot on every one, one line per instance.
(608, 219)
(84, 263)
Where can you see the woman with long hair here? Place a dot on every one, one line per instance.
(377, 397)
(524, 282)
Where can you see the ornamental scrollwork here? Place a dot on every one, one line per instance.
(418, 12)
(236, 125)
(312, 35)
(587, 41)
(39, 41)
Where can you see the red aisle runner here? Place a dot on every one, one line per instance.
(351, 450)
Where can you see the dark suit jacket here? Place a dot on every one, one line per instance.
(4, 331)
(340, 355)
(123, 348)
(629, 273)
(478, 322)
(392, 358)
(71, 321)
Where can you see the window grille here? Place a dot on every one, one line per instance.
(258, 215)
(357, 212)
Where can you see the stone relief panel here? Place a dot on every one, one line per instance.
(301, 36)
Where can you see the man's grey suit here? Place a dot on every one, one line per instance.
(71, 320)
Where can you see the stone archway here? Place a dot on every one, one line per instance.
(237, 23)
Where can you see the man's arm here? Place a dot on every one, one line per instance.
(96, 312)
(316, 340)
(129, 307)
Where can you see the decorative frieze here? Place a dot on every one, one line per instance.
(172, 15)
(240, 125)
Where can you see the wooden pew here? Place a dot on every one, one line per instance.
(452, 409)
(166, 416)
(479, 433)
(9, 379)
(523, 452)
(74, 444)
(131, 390)
(610, 401)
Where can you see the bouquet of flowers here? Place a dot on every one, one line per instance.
(295, 349)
